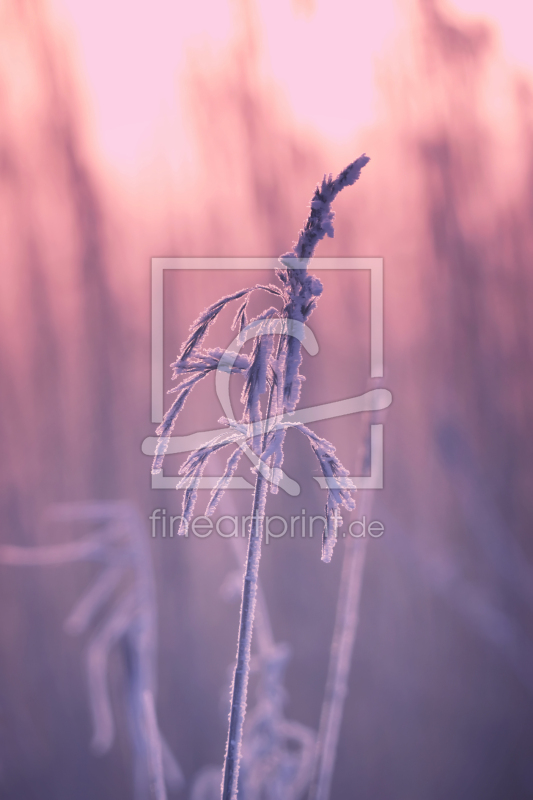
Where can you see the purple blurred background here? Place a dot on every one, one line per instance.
(143, 131)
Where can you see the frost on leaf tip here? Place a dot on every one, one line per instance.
(320, 220)
(223, 483)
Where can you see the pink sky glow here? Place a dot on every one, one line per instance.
(130, 56)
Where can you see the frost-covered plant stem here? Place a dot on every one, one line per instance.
(301, 293)
(279, 375)
(342, 646)
(345, 632)
(242, 669)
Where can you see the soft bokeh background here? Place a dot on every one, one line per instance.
(137, 129)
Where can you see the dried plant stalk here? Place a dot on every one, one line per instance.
(272, 370)
(345, 632)
(302, 291)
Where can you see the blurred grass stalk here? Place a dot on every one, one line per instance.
(342, 646)
(344, 635)
(121, 606)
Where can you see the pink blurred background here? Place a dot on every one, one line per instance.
(133, 130)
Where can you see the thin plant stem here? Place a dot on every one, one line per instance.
(262, 624)
(242, 668)
(249, 600)
(299, 292)
(345, 632)
(153, 747)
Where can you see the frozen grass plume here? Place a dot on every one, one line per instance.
(271, 369)
(118, 611)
